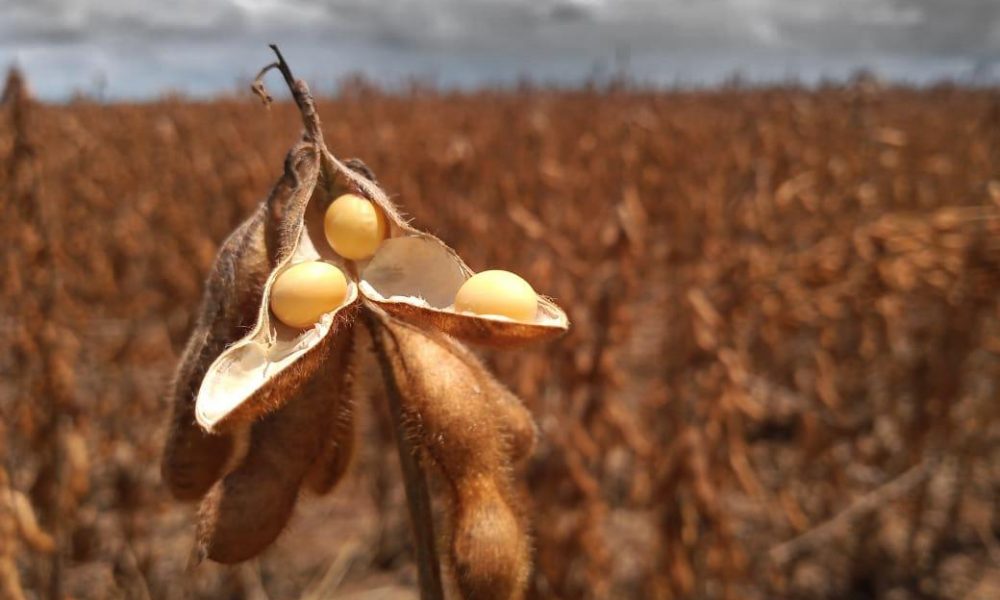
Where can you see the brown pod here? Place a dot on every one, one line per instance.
(515, 420)
(246, 511)
(519, 427)
(491, 552)
(194, 459)
(258, 373)
(452, 417)
(338, 444)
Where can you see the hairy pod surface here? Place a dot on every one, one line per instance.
(246, 511)
(514, 419)
(338, 442)
(453, 417)
(490, 549)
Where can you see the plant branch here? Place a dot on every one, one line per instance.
(286, 71)
(300, 93)
(871, 501)
(417, 495)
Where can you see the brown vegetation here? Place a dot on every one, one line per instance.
(786, 305)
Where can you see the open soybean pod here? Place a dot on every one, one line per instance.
(291, 384)
(194, 459)
(415, 276)
(273, 361)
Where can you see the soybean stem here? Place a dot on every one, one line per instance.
(418, 497)
(300, 93)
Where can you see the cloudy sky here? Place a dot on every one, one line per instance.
(138, 48)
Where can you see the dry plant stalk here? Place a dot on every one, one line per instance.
(62, 476)
(261, 409)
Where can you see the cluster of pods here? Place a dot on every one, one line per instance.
(323, 271)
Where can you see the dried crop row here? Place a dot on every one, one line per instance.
(782, 300)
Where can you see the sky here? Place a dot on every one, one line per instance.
(133, 49)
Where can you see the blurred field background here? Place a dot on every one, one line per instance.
(783, 379)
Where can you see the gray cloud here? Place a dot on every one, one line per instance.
(141, 46)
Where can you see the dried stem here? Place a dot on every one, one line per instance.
(300, 93)
(417, 495)
(868, 503)
(29, 199)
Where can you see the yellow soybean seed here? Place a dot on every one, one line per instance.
(498, 293)
(305, 292)
(354, 227)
